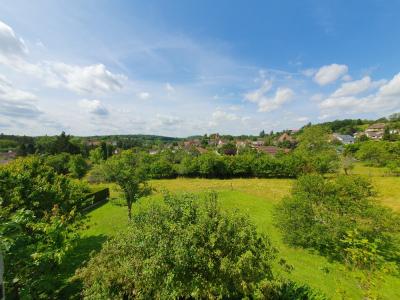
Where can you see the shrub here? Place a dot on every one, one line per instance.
(320, 213)
(183, 248)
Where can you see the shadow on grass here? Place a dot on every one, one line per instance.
(75, 259)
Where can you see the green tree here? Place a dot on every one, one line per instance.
(96, 155)
(125, 170)
(77, 166)
(316, 150)
(38, 218)
(183, 248)
(320, 212)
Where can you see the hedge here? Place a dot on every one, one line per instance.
(95, 198)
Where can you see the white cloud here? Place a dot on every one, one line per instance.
(385, 100)
(265, 103)
(143, 95)
(94, 107)
(330, 73)
(308, 72)
(282, 96)
(10, 44)
(220, 115)
(167, 120)
(302, 119)
(257, 95)
(17, 103)
(83, 79)
(356, 87)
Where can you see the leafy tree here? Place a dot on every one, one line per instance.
(320, 212)
(59, 162)
(125, 170)
(96, 155)
(374, 153)
(347, 163)
(63, 143)
(77, 166)
(37, 223)
(314, 148)
(182, 248)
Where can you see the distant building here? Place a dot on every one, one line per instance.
(258, 143)
(285, 138)
(344, 138)
(272, 150)
(375, 131)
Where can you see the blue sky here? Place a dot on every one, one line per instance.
(179, 68)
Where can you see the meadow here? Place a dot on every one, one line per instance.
(256, 198)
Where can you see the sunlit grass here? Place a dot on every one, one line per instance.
(256, 198)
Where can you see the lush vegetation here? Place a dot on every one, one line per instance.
(38, 220)
(193, 246)
(186, 247)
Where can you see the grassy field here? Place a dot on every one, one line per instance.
(255, 197)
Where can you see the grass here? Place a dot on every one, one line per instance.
(256, 198)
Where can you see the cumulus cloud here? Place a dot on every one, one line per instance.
(356, 87)
(83, 79)
(257, 95)
(94, 107)
(330, 73)
(95, 78)
(268, 103)
(282, 96)
(15, 102)
(384, 100)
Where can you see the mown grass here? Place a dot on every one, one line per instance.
(256, 198)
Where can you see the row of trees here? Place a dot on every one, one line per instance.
(313, 154)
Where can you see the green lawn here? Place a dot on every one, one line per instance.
(255, 197)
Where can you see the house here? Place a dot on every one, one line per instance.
(285, 138)
(257, 143)
(201, 150)
(375, 131)
(272, 150)
(7, 156)
(344, 138)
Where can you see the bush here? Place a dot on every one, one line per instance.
(182, 248)
(38, 219)
(320, 213)
(77, 166)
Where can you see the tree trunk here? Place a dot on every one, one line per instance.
(130, 210)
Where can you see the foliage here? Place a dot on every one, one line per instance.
(320, 212)
(228, 149)
(37, 215)
(126, 170)
(315, 150)
(77, 166)
(184, 247)
(378, 154)
(96, 155)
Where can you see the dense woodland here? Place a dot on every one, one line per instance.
(186, 246)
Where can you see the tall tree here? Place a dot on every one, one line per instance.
(125, 170)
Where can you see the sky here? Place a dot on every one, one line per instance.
(181, 68)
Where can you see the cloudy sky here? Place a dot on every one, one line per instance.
(187, 67)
